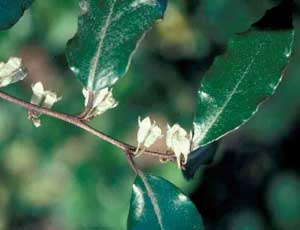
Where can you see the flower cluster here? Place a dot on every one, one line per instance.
(103, 100)
(43, 98)
(12, 71)
(147, 134)
(177, 139)
(180, 142)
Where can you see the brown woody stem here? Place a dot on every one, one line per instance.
(77, 121)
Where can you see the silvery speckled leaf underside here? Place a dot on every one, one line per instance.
(108, 33)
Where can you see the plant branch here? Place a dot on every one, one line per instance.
(132, 162)
(74, 120)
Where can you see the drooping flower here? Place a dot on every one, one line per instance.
(12, 71)
(147, 134)
(103, 100)
(179, 141)
(41, 98)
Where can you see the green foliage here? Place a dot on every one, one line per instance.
(240, 80)
(65, 176)
(157, 204)
(11, 11)
(108, 34)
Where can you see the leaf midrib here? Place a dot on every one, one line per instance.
(96, 58)
(153, 200)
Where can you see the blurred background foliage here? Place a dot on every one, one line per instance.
(59, 177)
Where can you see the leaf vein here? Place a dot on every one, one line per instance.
(96, 58)
(153, 201)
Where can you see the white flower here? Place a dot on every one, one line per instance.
(179, 141)
(148, 132)
(41, 98)
(12, 71)
(103, 100)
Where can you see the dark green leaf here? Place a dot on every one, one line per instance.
(241, 79)
(108, 33)
(157, 204)
(202, 156)
(11, 11)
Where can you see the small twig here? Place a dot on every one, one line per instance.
(132, 162)
(167, 155)
(79, 123)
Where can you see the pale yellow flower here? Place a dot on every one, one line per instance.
(103, 100)
(148, 132)
(41, 98)
(11, 72)
(179, 141)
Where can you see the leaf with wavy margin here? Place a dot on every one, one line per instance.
(242, 78)
(109, 32)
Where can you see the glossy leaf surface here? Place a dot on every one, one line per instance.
(109, 32)
(11, 11)
(157, 204)
(242, 78)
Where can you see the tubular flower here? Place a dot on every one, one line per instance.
(103, 100)
(179, 141)
(12, 71)
(147, 133)
(41, 98)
